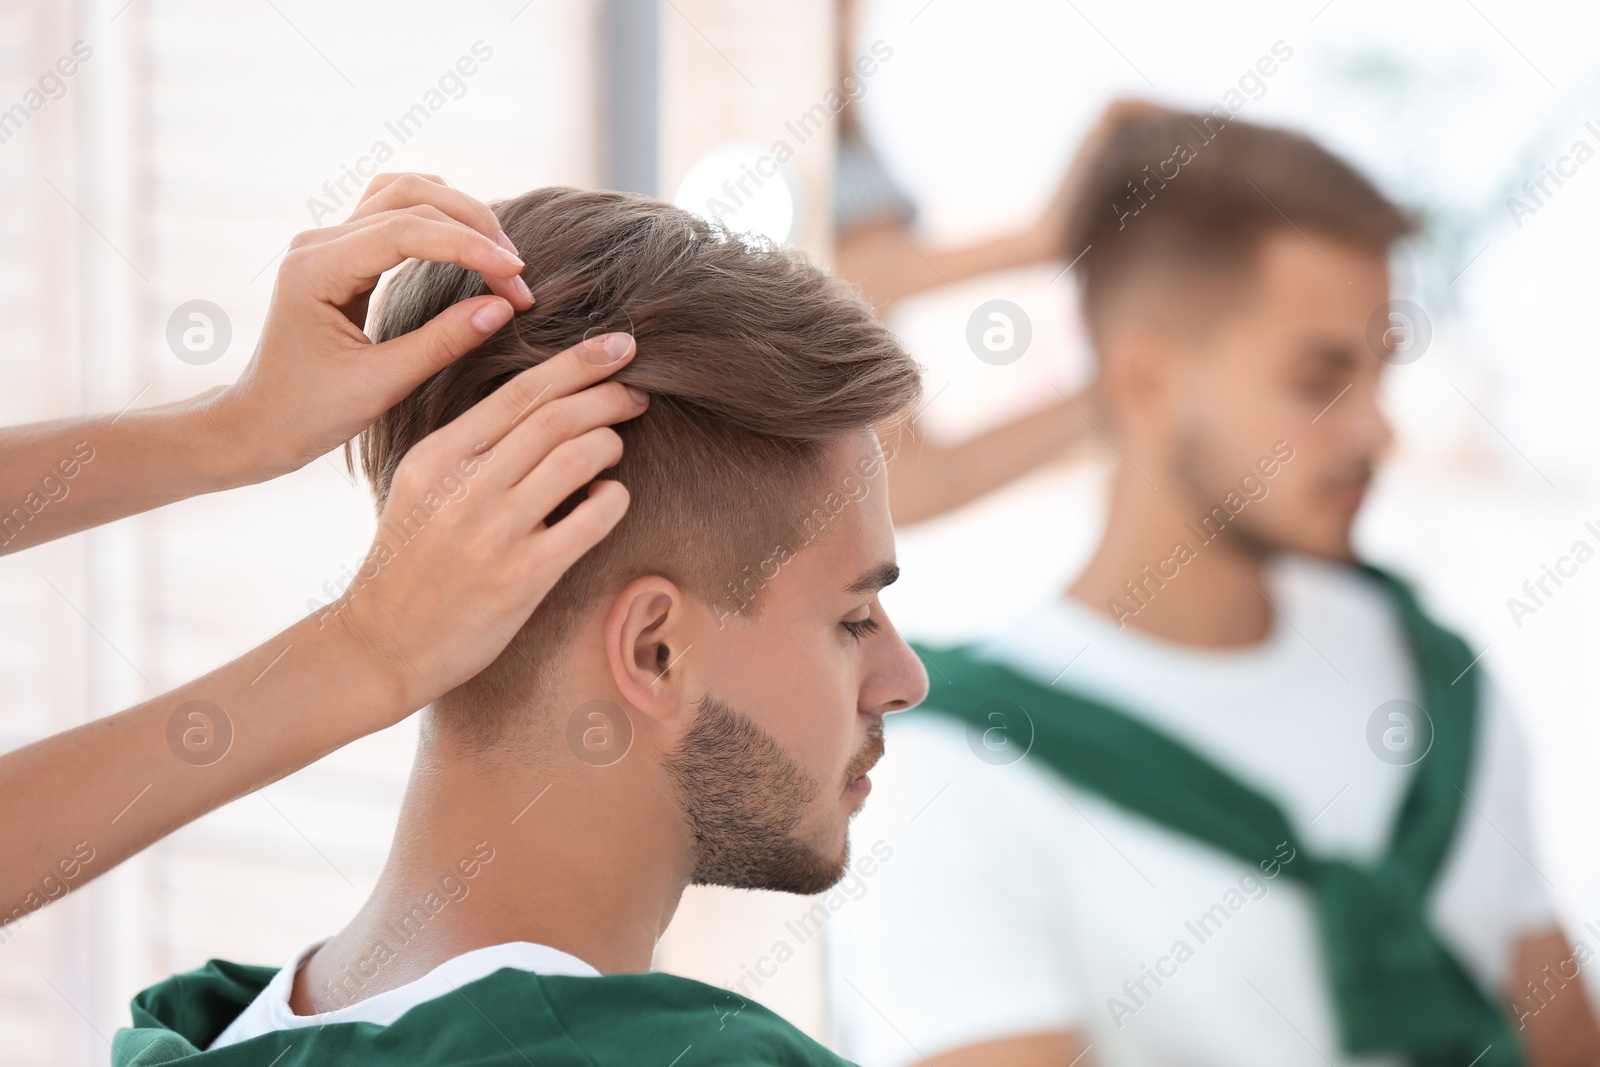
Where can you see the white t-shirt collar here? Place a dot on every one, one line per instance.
(270, 1010)
(1048, 636)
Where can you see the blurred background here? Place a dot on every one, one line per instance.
(193, 140)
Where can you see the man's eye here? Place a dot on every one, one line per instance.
(1322, 389)
(858, 630)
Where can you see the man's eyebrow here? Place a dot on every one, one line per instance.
(875, 579)
(1330, 355)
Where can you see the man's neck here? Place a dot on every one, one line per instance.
(1208, 594)
(479, 859)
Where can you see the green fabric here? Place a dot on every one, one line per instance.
(1396, 988)
(510, 1018)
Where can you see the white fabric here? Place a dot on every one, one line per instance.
(270, 1010)
(1016, 903)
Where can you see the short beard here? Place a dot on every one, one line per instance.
(1192, 464)
(743, 797)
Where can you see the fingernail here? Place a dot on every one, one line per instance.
(618, 345)
(521, 287)
(639, 395)
(491, 317)
(614, 345)
(510, 257)
(505, 242)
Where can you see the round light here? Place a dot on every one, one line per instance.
(744, 187)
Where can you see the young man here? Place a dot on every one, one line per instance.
(696, 701)
(1230, 797)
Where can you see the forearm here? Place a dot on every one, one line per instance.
(1052, 1049)
(77, 804)
(887, 262)
(1548, 1005)
(926, 480)
(60, 477)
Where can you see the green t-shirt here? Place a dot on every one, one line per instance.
(511, 1017)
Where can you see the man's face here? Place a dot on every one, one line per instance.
(792, 713)
(1293, 365)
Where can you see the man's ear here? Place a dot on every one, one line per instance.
(1136, 377)
(645, 642)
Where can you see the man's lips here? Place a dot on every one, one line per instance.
(1350, 494)
(856, 775)
(861, 785)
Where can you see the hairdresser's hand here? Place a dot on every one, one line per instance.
(316, 380)
(463, 556)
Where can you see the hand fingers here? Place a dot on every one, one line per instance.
(327, 233)
(350, 264)
(383, 181)
(562, 472)
(512, 288)
(411, 359)
(410, 190)
(414, 190)
(490, 419)
(559, 546)
(377, 184)
(520, 453)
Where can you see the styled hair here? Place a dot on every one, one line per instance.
(1189, 197)
(756, 361)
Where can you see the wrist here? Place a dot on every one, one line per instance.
(197, 438)
(1040, 243)
(239, 439)
(380, 692)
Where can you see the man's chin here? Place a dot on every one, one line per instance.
(822, 884)
(826, 872)
(1335, 546)
(1331, 541)
(800, 869)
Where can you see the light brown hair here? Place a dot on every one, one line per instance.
(756, 360)
(1166, 199)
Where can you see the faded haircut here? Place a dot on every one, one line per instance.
(1167, 200)
(756, 361)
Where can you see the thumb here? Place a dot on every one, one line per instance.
(418, 355)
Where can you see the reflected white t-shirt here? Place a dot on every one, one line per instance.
(270, 1010)
(1017, 903)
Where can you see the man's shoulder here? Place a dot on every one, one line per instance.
(187, 1011)
(665, 1010)
(1337, 595)
(510, 1016)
